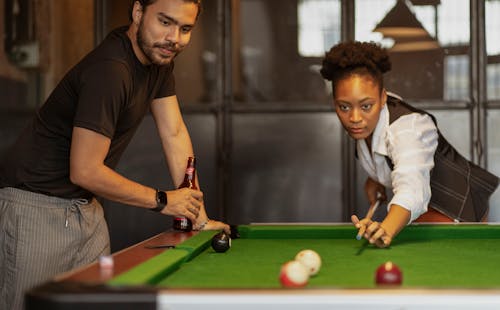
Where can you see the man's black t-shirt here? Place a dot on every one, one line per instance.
(109, 92)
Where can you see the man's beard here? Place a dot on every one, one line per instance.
(148, 48)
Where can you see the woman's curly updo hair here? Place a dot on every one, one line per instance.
(355, 58)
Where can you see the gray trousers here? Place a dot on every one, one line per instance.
(41, 236)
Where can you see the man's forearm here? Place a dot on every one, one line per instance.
(177, 149)
(106, 183)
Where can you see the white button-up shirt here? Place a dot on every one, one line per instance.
(410, 142)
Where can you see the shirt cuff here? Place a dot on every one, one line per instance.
(406, 204)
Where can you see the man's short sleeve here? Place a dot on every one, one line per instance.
(167, 87)
(103, 92)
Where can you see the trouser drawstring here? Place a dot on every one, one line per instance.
(75, 208)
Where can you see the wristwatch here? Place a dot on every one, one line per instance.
(161, 201)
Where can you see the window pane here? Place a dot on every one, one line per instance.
(368, 14)
(492, 27)
(453, 22)
(494, 160)
(456, 77)
(420, 65)
(493, 81)
(319, 27)
(493, 49)
(273, 40)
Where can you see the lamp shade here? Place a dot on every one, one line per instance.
(400, 21)
(420, 44)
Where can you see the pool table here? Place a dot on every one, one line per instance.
(444, 266)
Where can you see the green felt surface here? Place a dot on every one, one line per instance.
(449, 256)
(160, 266)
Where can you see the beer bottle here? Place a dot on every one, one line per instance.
(182, 223)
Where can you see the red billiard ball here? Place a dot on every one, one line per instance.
(221, 242)
(293, 274)
(388, 274)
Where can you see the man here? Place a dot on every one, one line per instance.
(50, 221)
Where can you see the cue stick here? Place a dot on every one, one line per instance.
(373, 208)
(370, 213)
(160, 246)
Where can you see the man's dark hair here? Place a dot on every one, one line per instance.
(353, 57)
(146, 3)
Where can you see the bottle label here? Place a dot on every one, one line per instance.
(182, 223)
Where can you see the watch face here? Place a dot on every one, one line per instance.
(161, 197)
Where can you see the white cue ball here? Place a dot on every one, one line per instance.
(310, 259)
(293, 274)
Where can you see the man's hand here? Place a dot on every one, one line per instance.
(202, 222)
(215, 225)
(184, 202)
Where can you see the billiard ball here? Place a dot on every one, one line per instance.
(293, 274)
(221, 242)
(388, 274)
(310, 259)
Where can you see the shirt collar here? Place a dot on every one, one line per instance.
(379, 134)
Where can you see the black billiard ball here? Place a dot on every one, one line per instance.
(221, 242)
(388, 274)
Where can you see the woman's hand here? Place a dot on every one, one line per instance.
(372, 231)
(381, 234)
(378, 235)
(374, 190)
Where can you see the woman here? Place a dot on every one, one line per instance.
(401, 148)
